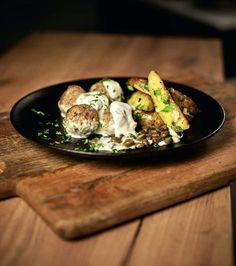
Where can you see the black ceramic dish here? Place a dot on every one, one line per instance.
(45, 126)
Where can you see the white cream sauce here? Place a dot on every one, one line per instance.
(175, 137)
(95, 99)
(124, 123)
(114, 90)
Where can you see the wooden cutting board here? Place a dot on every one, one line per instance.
(77, 197)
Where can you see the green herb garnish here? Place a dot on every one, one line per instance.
(37, 112)
(138, 116)
(105, 79)
(140, 106)
(146, 86)
(85, 141)
(179, 129)
(168, 108)
(95, 146)
(165, 100)
(130, 88)
(157, 92)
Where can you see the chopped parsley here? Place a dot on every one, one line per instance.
(46, 131)
(140, 106)
(179, 129)
(165, 100)
(168, 108)
(105, 79)
(130, 88)
(37, 112)
(95, 146)
(138, 116)
(146, 86)
(93, 102)
(157, 92)
(85, 141)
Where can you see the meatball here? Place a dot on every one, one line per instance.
(99, 87)
(106, 122)
(69, 97)
(81, 121)
(109, 87)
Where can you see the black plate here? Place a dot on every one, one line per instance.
(28, 123)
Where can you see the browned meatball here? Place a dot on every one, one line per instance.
(110, 88)
(69, 97)
(81, 120)
(106, 116)
(98, 86)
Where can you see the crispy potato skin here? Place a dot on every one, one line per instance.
(141, 101)
(139, 84)
(164, 104)
(186, 104)
(184, 101)
(148, 119)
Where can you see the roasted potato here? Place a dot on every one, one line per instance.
(148, 119)
(139, 84)
(141, 101)
(164, 104)
(186, 104)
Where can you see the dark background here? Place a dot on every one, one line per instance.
(19, 18)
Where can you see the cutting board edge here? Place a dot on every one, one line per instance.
(72, 228)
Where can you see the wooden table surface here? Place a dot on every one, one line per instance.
(197, 232)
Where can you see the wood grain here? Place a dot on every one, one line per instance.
(35, 244)
(25, 68)
(185, 231)
(49, 58)
(79, 197)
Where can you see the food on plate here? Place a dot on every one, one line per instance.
(141, 101)
(149, 115)
(148, 119)
(81, 121)
(185, 103)
(69, 97)
(110, 88)
(164, 104)
(139, 84)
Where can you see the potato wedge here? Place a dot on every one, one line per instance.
(148, 119)
(184, 102)
(164, 104)
(141, 101)
(139, 84)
